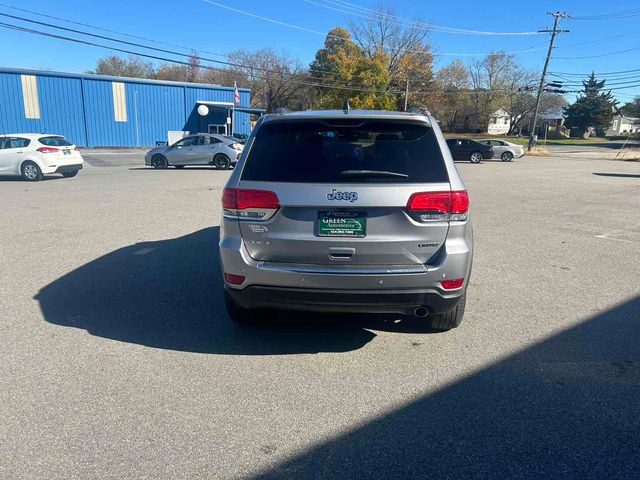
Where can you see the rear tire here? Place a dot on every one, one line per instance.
(159, 162)
(451, 319)
(475, 157)
(221, 162)
(31, 171)
(70, 174)
(506, 157)
(236, 312)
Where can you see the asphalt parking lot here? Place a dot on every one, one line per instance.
(118, 361)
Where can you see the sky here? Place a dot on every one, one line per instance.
(211, 29)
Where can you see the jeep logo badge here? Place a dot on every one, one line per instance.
(351, 196)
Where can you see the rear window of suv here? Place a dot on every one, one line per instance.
(54, 141)
(328, 152)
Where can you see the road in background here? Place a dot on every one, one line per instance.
(118, 360)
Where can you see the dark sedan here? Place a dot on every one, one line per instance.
(466, 149)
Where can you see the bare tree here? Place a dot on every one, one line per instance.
(276, 79)
(453, 81)
(520, 102)
(191, 73)
(491, 80)
(405, 45)
(132, 66)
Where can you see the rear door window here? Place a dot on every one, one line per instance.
(14, 142)
(210, 140)
(54, 141)
(332, 152)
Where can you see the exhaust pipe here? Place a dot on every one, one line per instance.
(421, 312)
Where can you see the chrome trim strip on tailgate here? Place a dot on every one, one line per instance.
(350, 270)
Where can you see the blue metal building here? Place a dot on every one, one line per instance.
(96, 110)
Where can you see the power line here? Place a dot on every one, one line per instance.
(372, 14)
(314, 70)
(208, 67)
(328, 35)
(180, 62)
(134, 44)
(614, 83)
(615, 89)
(74, 22)
(634, 12)
(599, 73)
(162, 50)
(601, 54)
(597, 40)
(126, 35)
(575, 79)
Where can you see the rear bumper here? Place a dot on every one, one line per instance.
(326, 300)
(68, 168)
(347, 287)
(487, 154)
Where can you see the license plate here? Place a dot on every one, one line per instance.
(66, 151)
(342, 224)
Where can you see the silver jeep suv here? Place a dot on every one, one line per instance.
(347, 211)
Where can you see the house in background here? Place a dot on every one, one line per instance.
(468, 121)
(499, 122)
(551, 124)
(621, 125)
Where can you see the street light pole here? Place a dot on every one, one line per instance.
(556, 16)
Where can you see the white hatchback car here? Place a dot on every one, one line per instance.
(33, 155)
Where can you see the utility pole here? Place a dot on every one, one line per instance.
(556, 16)
(406, 95)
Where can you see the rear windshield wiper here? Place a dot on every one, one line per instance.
(372, 173)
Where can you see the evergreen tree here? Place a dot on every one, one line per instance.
(594, 108)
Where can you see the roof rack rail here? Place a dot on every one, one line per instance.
(419, 111)
(282, 110)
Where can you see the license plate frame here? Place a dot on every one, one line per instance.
(353, 224)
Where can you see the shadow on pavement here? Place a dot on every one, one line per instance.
(168, 294)
(567, 407)
(18, 178)
(621, 175)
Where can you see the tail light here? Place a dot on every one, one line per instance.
(233, 278)
(242, 203)
(452, 284)
(76, 149)
(47, 150)
(439, 206)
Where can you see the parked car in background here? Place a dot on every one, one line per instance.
(347, 211)
(33, 155)
(466, 149)
(219, 151)
(242, 137)
(505, 151)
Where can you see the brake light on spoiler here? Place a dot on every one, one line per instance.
(249, 204)
(439, 206)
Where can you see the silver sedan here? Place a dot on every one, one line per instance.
(505, 151)
(219, 151)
